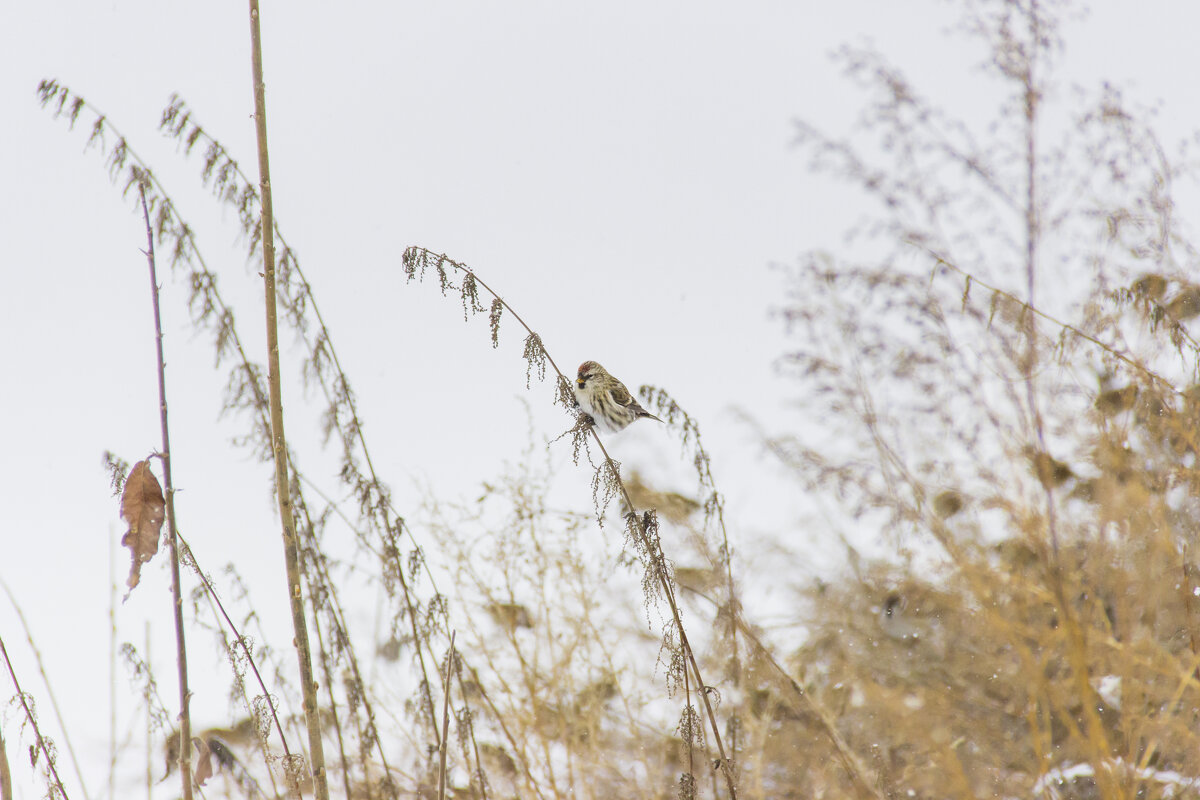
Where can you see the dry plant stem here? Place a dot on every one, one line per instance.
(149, 724)
(532, 691)
(263, 747)
(655, 553)
(862, 777)
(850, 762)
(355, 425)
(507, 307)
(1030, 309)
(185, 722)
(145, 177)
(261, 401)
(323, 655)
(665, 584)
(40, 742)
(112, 674)
(519, 752)
(37, 654)
(691, 744)
(391, 552)
(1151, 748)
(1095, 735)
(394, 553)
(445, 719)
(734, 610)
(6, 792)
(338, 617)
(1032, 236)
(204, 285)
(278, 441)
(1077, 637)
(1189, 612)
(479, 776)
(706, 478)
(211, 591)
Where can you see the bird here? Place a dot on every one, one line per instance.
(606, 400)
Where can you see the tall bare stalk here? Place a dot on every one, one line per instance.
(291, 550)
(185, 731)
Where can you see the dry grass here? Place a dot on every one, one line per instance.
(1005, 378)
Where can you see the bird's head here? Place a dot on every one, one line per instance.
(587, 371)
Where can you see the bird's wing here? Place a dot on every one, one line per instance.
(620, 395)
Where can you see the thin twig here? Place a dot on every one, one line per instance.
(654, 548)
(1027, 308)
(714, 505)
(518, 752)
(239, 639)
(185, 722)
(470, 723)
(320, 573)
(149, 716)
(445, 719)
(37, 654)
(339, 397)
(691, 737)
(40, 740)
(112, 673)
(323, 656)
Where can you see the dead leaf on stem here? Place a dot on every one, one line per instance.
(143, 507)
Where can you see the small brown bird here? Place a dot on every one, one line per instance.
(606, 400)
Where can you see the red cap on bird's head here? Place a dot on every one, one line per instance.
(589, 368)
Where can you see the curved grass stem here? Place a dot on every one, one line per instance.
(416, 258)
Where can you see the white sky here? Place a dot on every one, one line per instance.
(621, 172)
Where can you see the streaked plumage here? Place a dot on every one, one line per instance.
(606, 400)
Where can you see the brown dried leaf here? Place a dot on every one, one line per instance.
(1114, 401)
(1150, 285)
(1186, 304)
(143, 507)
(510, 615)
(204, 767)
(947, 504)
(1049, 470)
(672, 506)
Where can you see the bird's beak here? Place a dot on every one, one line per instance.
(580, 382)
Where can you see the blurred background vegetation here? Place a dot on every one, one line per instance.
(996, 384)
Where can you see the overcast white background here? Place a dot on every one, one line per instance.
(622, 173)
